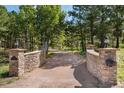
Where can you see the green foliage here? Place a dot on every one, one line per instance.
(4, 67)
(26, 21)
(3, 18)
(121, 45)
(44, 26)
(47, 20)
(4, 70)
(3, 24)
(97, 22)
(3, 59)
(120, 69)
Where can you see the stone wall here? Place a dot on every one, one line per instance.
(92, 62)
(103, 65)
(21, 62)
(32, 60)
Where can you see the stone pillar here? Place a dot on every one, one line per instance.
(16, 62)
(108, 66)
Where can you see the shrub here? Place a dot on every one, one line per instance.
(121, 45)
(4, 67)
(3, 59)
(4, 70)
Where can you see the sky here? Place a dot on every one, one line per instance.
(16, 7)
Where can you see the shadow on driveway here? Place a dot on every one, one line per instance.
(86, 79)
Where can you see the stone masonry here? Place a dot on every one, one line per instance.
(21, 62)
(103, 65)
(33, 60)
(16, 61)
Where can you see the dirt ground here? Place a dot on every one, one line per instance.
(61, 70)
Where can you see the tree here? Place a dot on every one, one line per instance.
(79, 13)
(13, 33)
(47, 18)
(3, 25)
(26, 21)
(58, 38)
(41, 27)
(91, 20)
(103, 23)
(117, 19)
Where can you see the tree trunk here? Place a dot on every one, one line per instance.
(83, 42)
(26, 40)
(45, 45)
(91, 32)
(92, 40)
(30, 43)
(102, 44)
(117, 42)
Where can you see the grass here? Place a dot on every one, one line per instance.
(122, 46)
(4, 66)
(120, 65)
(50, 54)
(70, 49)
(4, 70)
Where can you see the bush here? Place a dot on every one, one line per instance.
(4, 74)
(4, 67)
(4, 70)
(3, 59)
(121, 45)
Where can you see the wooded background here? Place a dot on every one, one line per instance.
(44, 26)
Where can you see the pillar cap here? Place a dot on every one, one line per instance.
(107, 49)
(17, 49)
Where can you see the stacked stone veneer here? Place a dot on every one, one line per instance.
(21, 62)
(33, 60)
(96, 64)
